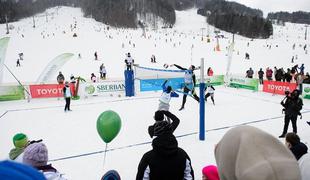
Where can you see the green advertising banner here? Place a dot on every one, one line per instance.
(306, 91)
(214, 80)
(244, 83)
(9, 93)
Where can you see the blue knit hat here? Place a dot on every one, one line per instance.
(11, 170)
(111, 175)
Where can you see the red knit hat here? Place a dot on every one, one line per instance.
(211, 172)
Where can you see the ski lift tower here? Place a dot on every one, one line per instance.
(202, 33)
(306, 31)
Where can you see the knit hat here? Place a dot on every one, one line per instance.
(159, 116)
(35, 155)
(12, 170)
(161, 127)
(248, 153)
(111, 175)
(210, 172)
(20, 140)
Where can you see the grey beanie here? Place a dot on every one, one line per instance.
(36, 155)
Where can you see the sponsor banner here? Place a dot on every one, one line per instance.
(306, 91)
(244, 83)
(46, 90)
(8, 93)
(155, 84)
(87, 89)
(214, 80)
(3, 46)
(277, 87)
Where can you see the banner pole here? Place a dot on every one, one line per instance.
(202, 102)
(16, 79)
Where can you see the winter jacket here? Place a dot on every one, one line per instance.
(210, 72)
(16, 153)
(249, 73)
(67, 92)
(248, 153)
(166, 161)
(302, 68)
(129, 60)
(279, 75)
(299, 150)
(292, 106)
(288, 77)
(304, 165)
(269, 73)
(210, 89)
(261, 74)
(50, 172)
(307, 79)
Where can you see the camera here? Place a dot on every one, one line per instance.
(287, 92)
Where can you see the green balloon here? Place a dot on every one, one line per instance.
(108, 125)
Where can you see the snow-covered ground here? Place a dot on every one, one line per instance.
(74, 133)
(180, 45)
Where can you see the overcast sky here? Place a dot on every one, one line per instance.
(277, 5)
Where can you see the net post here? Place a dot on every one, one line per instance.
(129, 83)
(202, 102)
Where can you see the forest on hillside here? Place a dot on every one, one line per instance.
(229, 16)
(237, 18)
(294, 17)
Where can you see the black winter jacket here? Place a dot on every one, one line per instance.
(292, 106)
(166, 161)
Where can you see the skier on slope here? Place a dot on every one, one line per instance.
(189, 83)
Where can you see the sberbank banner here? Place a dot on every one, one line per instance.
(88, 89)
(214, 80)
(244, 83)
(156, 84)
(306, 91)
(9, 93)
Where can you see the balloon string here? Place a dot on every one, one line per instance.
(105, 153)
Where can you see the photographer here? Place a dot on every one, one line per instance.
(292, 105)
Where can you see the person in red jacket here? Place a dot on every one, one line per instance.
(210, 72)
(269, 74)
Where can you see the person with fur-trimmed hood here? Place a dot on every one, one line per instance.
(166, 160)
(248, 153)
